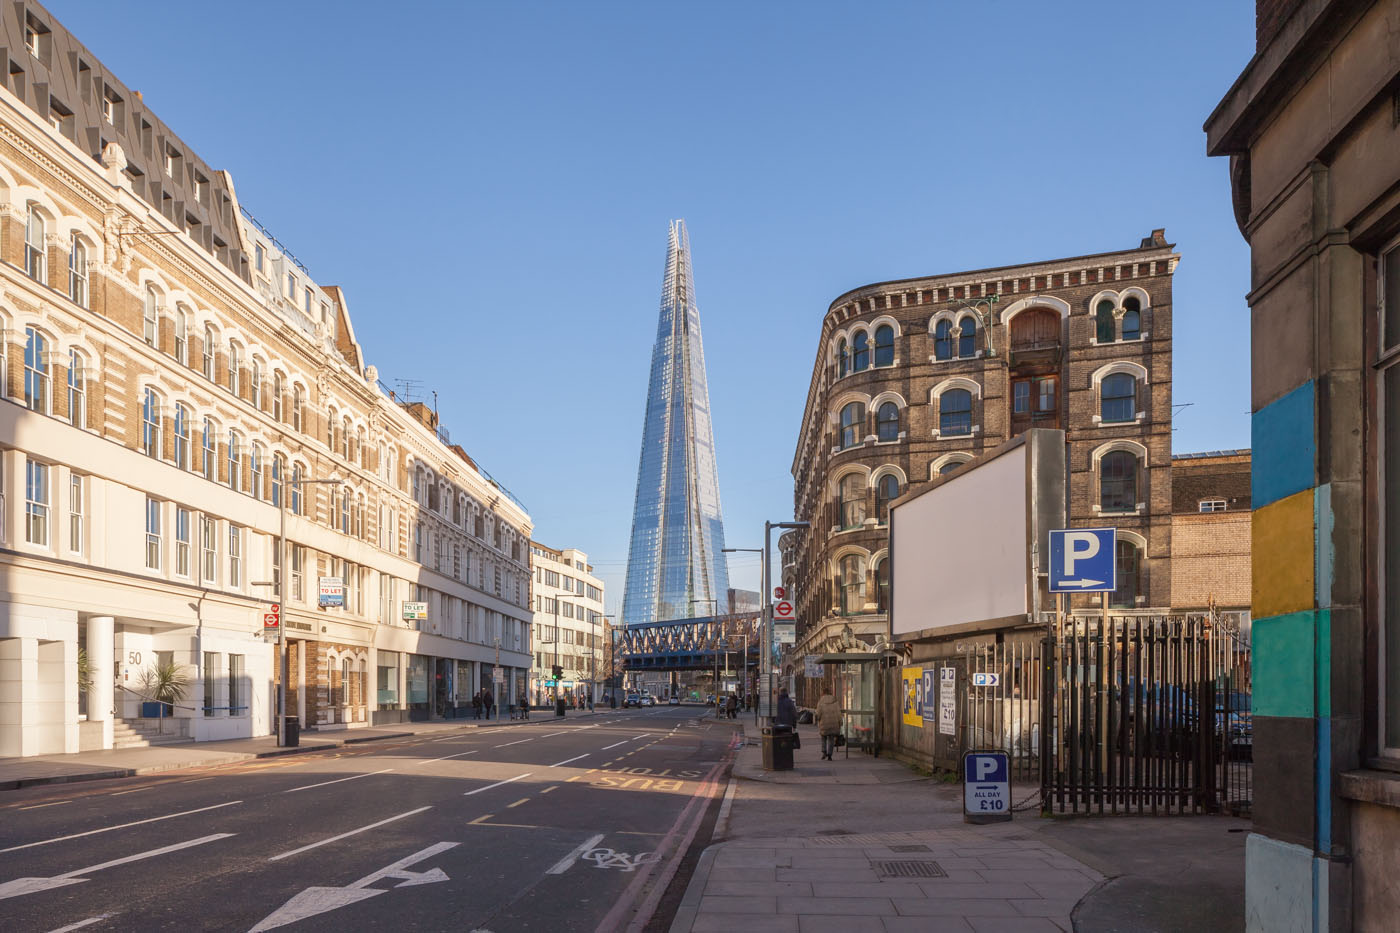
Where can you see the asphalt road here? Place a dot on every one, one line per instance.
(574, 825)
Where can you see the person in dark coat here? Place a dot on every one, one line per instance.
(787, 711)
(476, 705)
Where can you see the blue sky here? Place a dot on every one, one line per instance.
(491, 184)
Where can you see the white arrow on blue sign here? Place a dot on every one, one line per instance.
(1083, 560)
(986, 680)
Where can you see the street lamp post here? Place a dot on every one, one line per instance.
(714, 605)
(293, 483)
(762, 565)
(767, 663)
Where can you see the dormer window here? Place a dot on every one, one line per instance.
(258, 257)
(291, 286)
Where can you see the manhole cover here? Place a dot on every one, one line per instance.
(908, 868)
(913, 848)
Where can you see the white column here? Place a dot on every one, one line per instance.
(101, 654)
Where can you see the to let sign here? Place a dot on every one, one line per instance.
(331, 592)
(415, 611)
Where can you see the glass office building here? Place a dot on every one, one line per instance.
(675, 569)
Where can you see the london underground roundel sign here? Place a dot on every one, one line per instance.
(783, 610)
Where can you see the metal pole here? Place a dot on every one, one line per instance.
(282, 570)
(765, 648)
(556, 652)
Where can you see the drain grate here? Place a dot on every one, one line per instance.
(913, 848)
(907, 868)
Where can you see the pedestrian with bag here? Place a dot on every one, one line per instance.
(828, 723)
(787, 716)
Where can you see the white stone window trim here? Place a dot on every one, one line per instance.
(1130, 446)
(935, 398)
(936, 466)
(1137, 371)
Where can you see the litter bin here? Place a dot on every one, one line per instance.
(291, 734)
(777, 748)
(559, 707)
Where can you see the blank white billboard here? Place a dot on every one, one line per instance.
(959, 551)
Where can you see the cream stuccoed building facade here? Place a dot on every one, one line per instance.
(569, 601)
(173, 383)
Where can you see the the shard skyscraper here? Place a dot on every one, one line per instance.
(675, 567)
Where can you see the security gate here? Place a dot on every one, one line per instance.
(1147, 714)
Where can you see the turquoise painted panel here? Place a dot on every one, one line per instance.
(1285, 446)
(1284, 679)
(1323, 642)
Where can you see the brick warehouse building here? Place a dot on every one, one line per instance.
(915, 377)
(1312, 131)
(1210, 531)
(170, 377)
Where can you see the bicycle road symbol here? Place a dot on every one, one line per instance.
(607, 858)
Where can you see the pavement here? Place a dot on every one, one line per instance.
(130, 762)
(866, 844)
(581, 824)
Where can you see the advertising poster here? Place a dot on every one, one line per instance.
(947, 701)
(912, 682)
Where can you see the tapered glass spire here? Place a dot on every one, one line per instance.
(675, 565)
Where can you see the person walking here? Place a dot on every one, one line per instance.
(488, 701)
(828, 722)
(731, 705)
(476, 705)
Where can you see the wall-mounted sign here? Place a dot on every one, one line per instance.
(331, 592)
(947, 701)
(785, 633)
(784, 611)
(415, 611)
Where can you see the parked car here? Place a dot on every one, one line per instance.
(633, 699)
(675, 699)
(710, 699)
(648, 700)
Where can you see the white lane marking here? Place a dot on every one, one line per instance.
(108, 829)
(567, 862)
(40, 806)
(318, 900)
(21, 886)
(508, 744)
(567, 760)
(445, 757)
(353, 832)
(616, 744)
(553, 734)
(498, 784)
(81, 923)
(337, 780)
(134, 790)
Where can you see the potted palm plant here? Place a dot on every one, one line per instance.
(165, 683)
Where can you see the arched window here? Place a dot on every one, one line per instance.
(36, 371)
(852, 424)
(235, 366)
(182, 337)
(208, 450)
(295, 495)
(884, 345)
(346, 436)
(852, 504)
(967, 338)
(330, 428)
(843, 358)
(361, 453)
(210, 342)
(1128, 578)
(255, 470)
(955, 412)
(1118, 482)
(78, 272)
(77, 389)
(278, 388)
(851, 581)
(150, 318)
(1118, 398)
(278, 469)
(950, 467)
(345, 499)
(150, 423)
(182, 437)
(1132, 318)
(887, 422)
(1103, 323)
(886, 491)
(34, 255)
(298, 404)
(235, 460)
(255, 385)
(860, 351)
(943, 340)
(882, 585)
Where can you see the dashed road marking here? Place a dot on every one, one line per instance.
(353, 832)
(567, 760)
(567, 862)
(548, 789)
(497, 784)
(108, 829)
(517, 803)
(40, 806)
(134, 790)
(352, 777)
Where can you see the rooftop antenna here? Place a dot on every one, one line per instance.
(408, 388)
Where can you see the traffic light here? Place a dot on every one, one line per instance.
(558, 671)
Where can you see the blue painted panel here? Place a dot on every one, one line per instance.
(1284, 446)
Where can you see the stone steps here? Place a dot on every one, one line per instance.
(143, 734)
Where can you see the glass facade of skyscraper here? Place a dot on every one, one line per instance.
(675, 568)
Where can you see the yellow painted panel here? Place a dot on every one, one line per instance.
(1282, 558)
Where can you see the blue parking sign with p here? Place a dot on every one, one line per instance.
(1083, 560)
